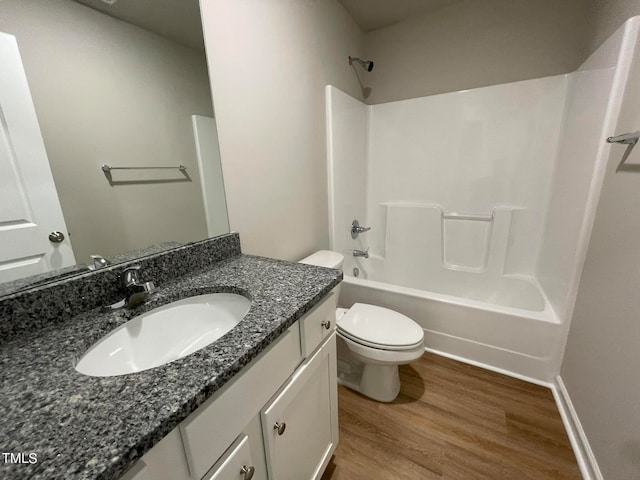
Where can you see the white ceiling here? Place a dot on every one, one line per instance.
(178, 20)
(374, 14)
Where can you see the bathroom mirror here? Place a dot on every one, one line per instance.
(123, 84)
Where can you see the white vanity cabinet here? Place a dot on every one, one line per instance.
(275, 420)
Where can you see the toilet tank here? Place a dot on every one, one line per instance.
(325, 258)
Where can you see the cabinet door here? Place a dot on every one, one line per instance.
(300, 425)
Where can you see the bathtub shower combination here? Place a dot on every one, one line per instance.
(480, 204)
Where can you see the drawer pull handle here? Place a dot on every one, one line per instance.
(326, 324)
(248, 472)
(280, 427)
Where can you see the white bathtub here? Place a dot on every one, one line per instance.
(505, 325)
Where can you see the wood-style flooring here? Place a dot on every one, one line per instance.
(452, 421)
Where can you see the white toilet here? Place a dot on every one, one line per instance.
(372, 342)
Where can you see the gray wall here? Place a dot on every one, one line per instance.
(475, 43)
(600, 365)
(269, 90)
(609, 15)
(109, 92)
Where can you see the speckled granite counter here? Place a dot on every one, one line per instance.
(95, 428)
(21, 284)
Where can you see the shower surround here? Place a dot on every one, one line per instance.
(481, 203)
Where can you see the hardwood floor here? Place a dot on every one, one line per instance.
(452, 421)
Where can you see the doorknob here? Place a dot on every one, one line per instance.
(56, 237)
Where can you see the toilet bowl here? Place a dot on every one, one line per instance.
(372, 342)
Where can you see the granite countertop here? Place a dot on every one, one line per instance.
(7, 288)
(85, 427)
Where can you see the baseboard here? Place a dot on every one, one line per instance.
(489, 357)
(584, 455)
(487, 366)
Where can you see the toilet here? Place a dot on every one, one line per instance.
(372, 341)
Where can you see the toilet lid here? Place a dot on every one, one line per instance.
(380, 327)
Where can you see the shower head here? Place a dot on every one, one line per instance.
(366, 64)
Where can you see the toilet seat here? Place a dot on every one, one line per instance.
(380, 328)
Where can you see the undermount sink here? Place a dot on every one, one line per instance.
(164, 334)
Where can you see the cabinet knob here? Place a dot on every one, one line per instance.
(326, 324)
(248, 472)
(280, 427)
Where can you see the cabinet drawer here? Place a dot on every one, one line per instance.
(236, 464)
(318, 323)
(209, 431)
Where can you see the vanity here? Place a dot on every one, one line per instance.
(277, 418)
(260, 402)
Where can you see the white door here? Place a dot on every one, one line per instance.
(29, 205)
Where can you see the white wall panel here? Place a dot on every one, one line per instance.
(347, 164)
(470, 152)
(593, 104)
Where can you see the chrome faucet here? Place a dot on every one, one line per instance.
(360, 253)
(136, 292)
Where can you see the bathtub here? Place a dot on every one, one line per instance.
(504, 324)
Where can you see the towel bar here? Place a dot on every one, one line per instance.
(108, 168)
(625, 138)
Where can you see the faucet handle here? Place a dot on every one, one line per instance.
(130, 276)
(99, 261)
(356, 229)
(149, 287)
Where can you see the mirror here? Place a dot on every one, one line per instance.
(123, 84)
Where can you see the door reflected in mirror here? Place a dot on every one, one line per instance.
(131, 91)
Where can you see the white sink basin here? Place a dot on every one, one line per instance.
(164, 334)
